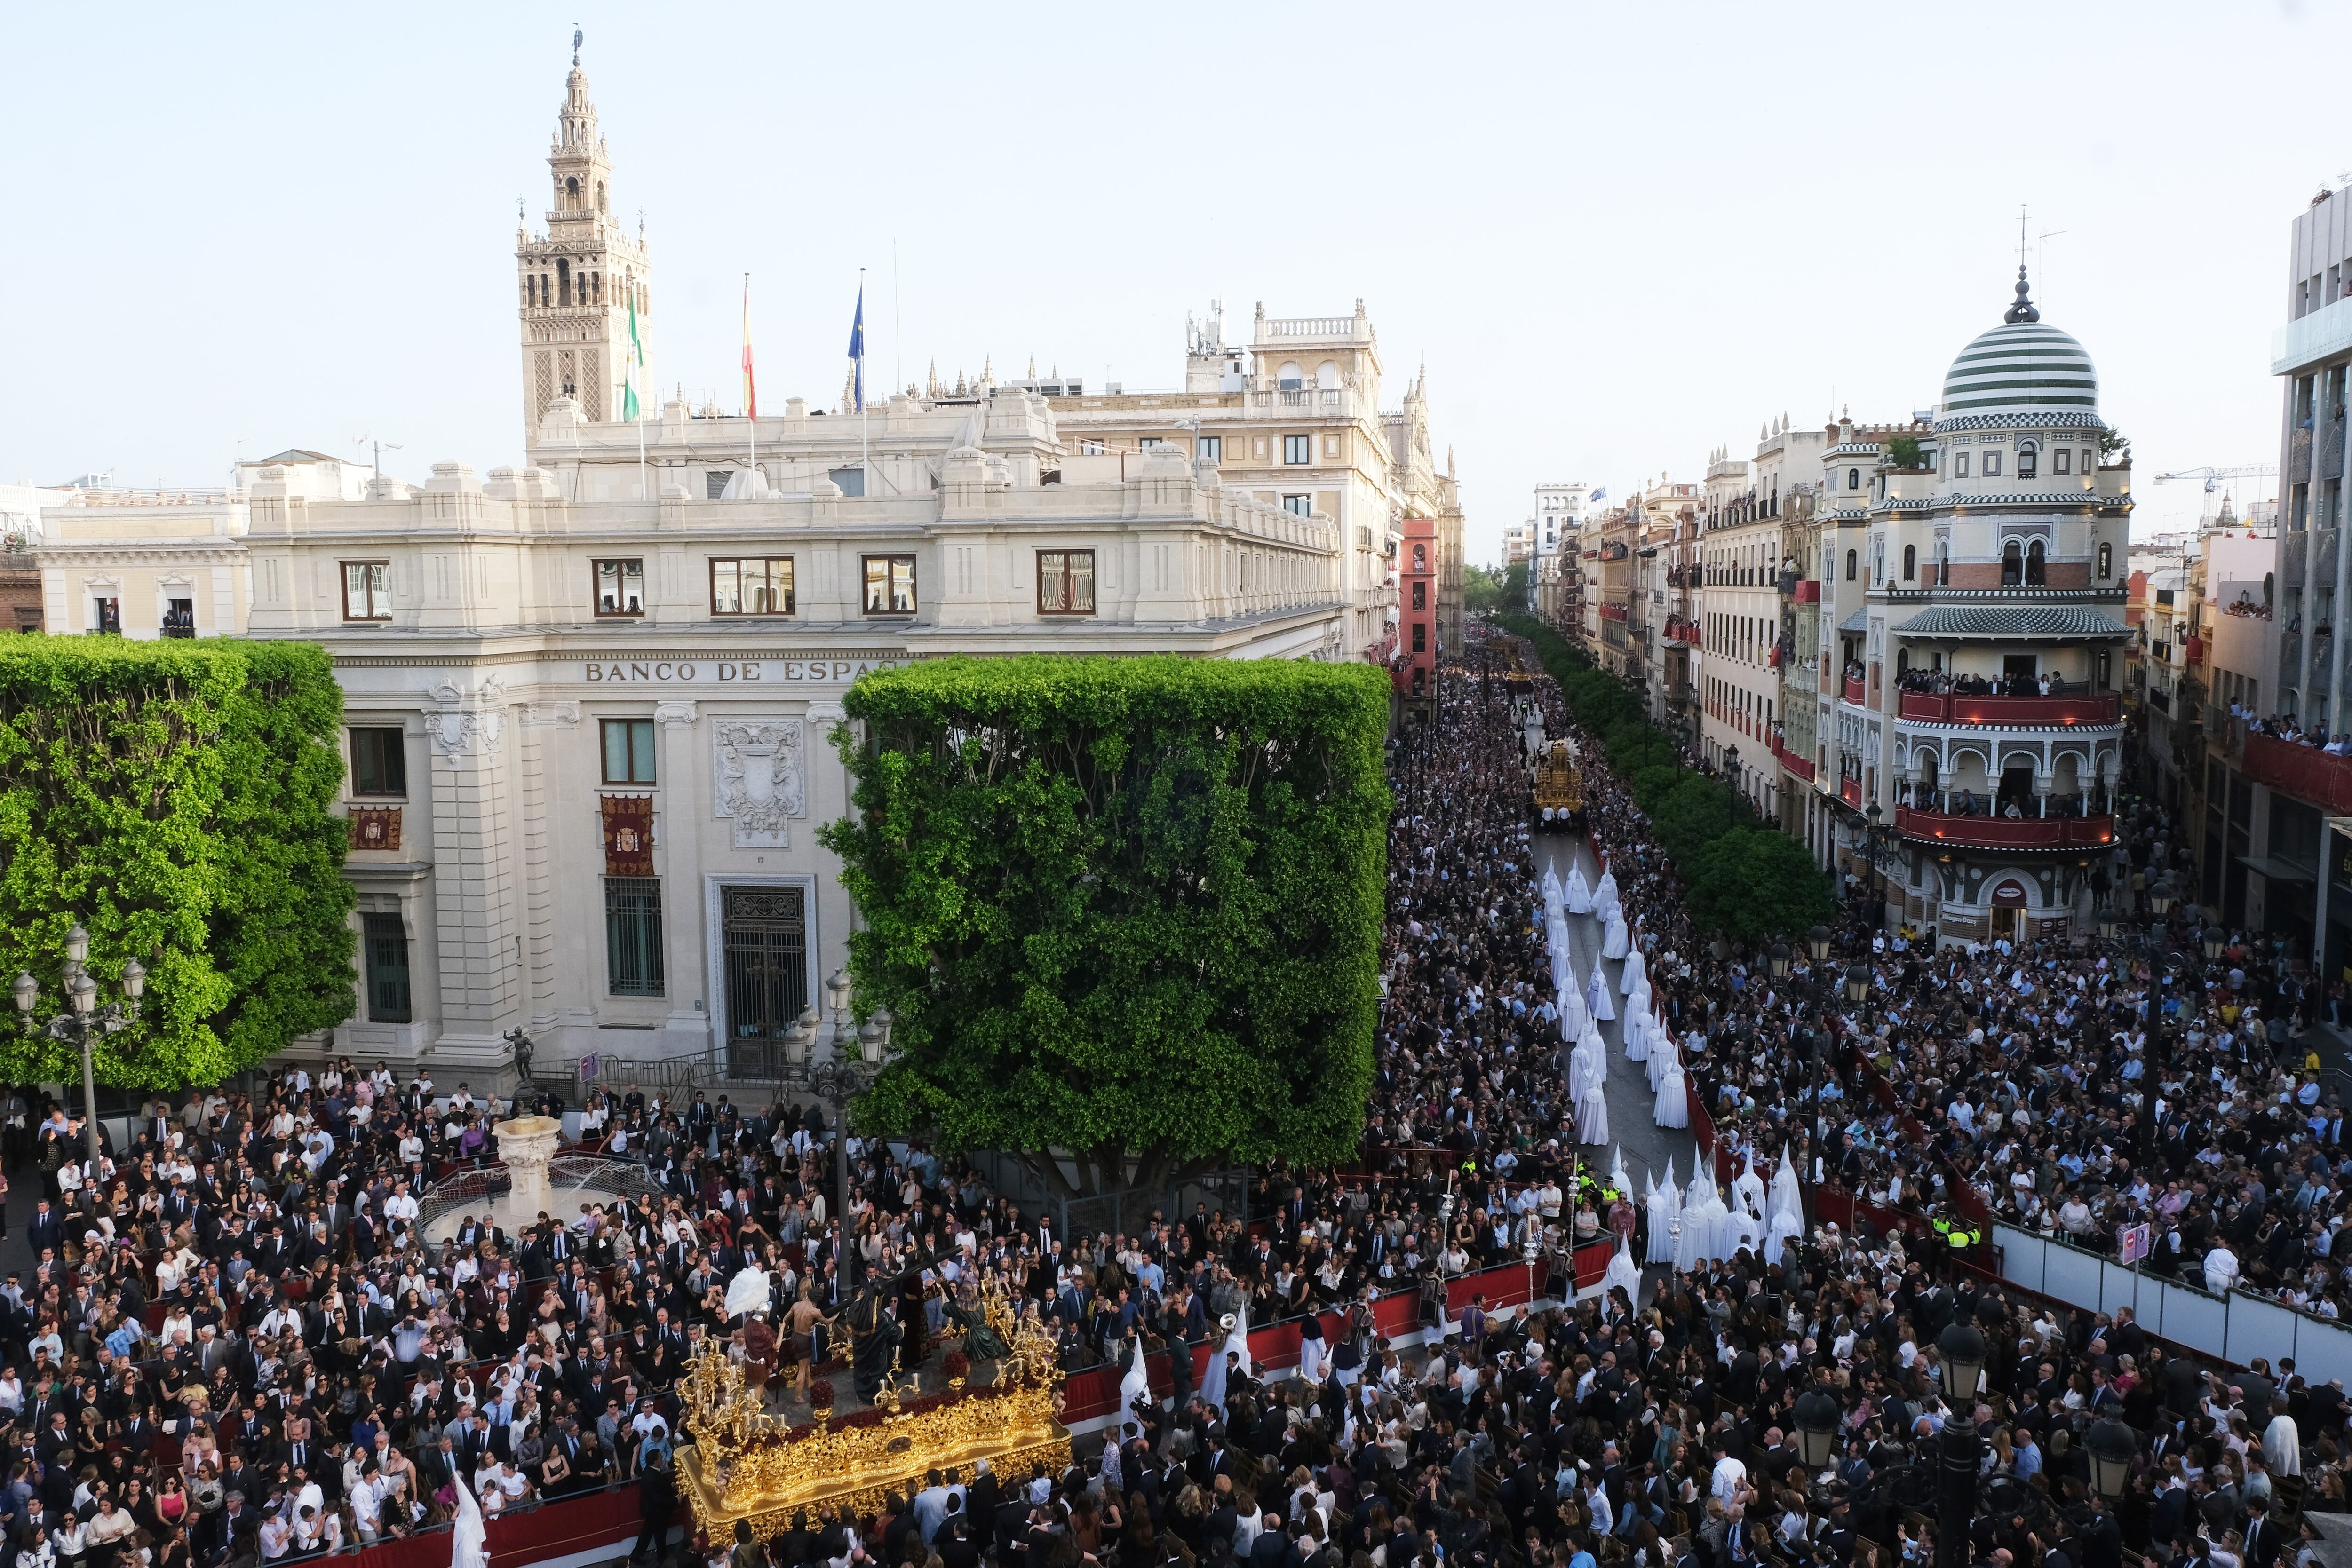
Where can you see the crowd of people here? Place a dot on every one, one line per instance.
(2281, 727)
(2017, 684)
(256, 1332)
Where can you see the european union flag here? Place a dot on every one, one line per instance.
(857, 351)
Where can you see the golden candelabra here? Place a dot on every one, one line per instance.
(742, 1464)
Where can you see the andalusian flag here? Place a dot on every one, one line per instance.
(630, 401)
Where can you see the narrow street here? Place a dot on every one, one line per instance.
(1631, 1124)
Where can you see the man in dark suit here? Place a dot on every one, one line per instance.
(2265, 1540)
(655, 1499)
(47, 1230)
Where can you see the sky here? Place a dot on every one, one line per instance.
(1617, 237)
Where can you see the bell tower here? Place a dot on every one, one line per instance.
(576, 281)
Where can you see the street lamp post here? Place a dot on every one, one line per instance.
(1817, 1416)
(1817, 987)
(84, 1015)
(838, 1082)
(1961, 1355)
(2112, 1447)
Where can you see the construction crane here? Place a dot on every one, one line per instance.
(2209, 474)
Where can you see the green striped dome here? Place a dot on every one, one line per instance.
(2020, 368)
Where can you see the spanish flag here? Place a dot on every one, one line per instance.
(751, 388)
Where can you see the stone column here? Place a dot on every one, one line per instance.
(828, 799)
(477, 942)
(536, 721)
(685, 801)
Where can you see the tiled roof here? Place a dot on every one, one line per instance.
(2011, 620)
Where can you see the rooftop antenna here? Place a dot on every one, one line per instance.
(2041, 264)
(378, 448)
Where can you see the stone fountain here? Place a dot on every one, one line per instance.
(526, 1146)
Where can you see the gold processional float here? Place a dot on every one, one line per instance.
(745, 1465)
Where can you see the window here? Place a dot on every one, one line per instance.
(620, 588)
(1090, 447)
(383, 947)
(889, 585)
(1959, 464)
(2106, 560)
(1910, 562)
(106, 615)
(379, 761)
(1993, 464)
(628, 751)
(1298, 506)
(2062, 460)
(632, 935)
(1148, 442)
(2028, 461)
(2086, 460)
(2013, 565)
(751, 585)
(1421, 636)
(848, 481)
(1298, 449)
(1850, 564)
(1066, 582)
(714, 484)
(1211, 447)
(2036, 565)
(367, 590)
(1420, 596)
(1853, 478)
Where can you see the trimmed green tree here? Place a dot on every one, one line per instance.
(1124, 912)
(1691, 815)
(174, 797)
(1756, 883)
(1652, 785)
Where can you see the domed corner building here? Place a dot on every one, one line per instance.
(1999, 568)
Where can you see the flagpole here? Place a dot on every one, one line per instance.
(750, 404)
(864, 445)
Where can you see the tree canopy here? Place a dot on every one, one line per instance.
(1755, 883)
(175, 798)
(1125, 910)
(1487, 592)
(1746, 880)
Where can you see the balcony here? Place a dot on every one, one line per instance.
(2004, 832)
(1612, 613)
(1853, 690)
(2011, 593)
(2312, 337)
(2040, 712)
(1809, 592)
(1795, 766)
(1335, 400)
(1850, 792)
(2304, 772)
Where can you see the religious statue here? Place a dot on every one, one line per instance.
(874, 1335)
